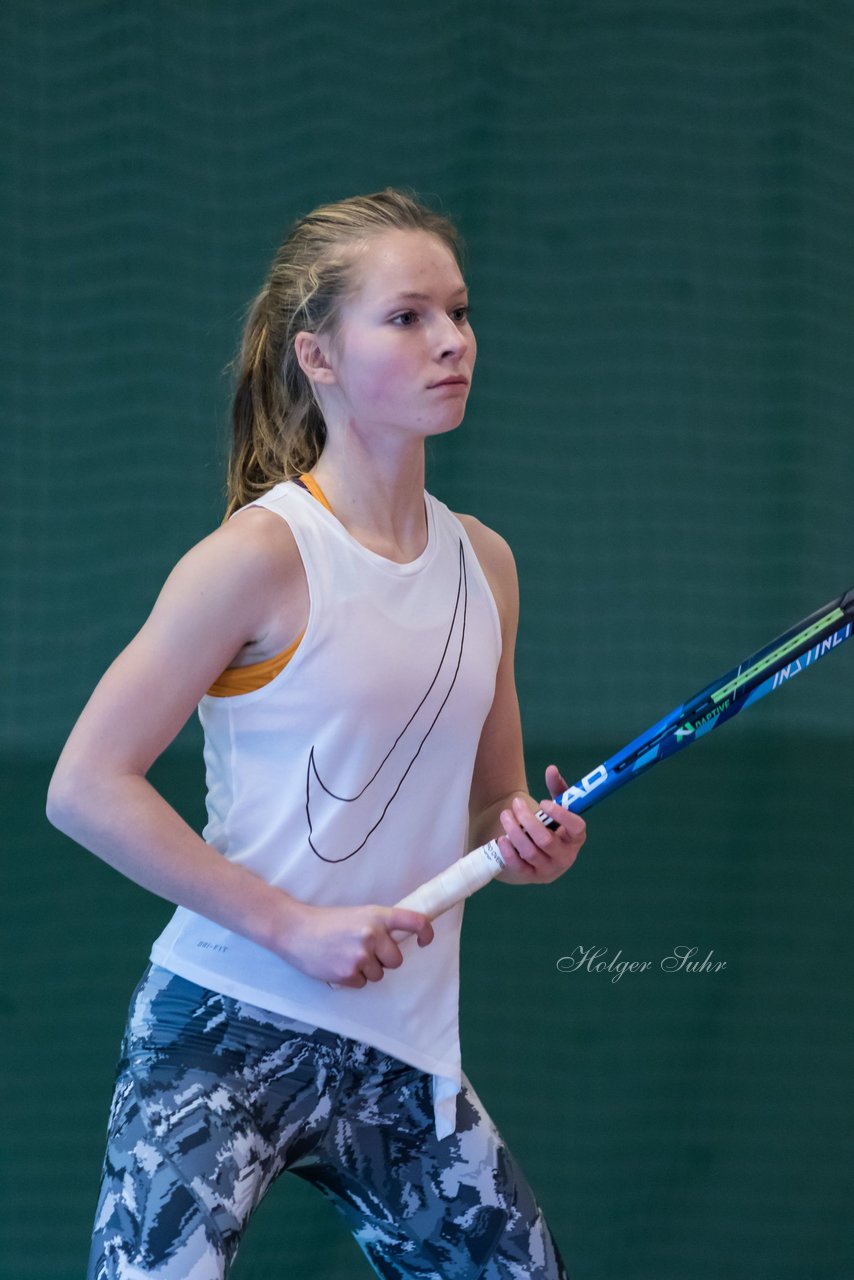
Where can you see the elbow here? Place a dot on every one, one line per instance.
(57, 803)
(60, 808)
(83, 794)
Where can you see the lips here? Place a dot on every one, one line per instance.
(451, 382)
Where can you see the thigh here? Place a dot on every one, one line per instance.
(207, 1093)
(422, 1208)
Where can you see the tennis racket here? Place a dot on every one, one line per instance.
(766, 670)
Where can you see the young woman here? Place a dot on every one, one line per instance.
(349, 645)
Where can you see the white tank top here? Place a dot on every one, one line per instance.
(345, 780)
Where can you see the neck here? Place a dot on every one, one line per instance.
(378, 495)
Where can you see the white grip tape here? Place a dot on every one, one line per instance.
(456, 882)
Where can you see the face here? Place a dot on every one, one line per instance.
(402, 356)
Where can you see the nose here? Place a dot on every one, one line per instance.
(452, 342)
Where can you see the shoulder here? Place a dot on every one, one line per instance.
(230, 579)
(489, 546)
(497, 562)
(254, 545)
(259, 536)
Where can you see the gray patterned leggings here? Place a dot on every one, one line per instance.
(215, 1098)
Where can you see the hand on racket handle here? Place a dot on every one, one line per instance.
(464, 877)
(456, 882)
(778, 662)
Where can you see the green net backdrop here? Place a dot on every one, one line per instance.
(657, 202)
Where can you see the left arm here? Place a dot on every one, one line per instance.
(500, 805)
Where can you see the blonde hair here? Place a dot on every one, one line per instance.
(277, 428)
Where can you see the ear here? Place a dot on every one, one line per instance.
(310, 351)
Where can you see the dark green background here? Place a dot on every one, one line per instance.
(657, 201)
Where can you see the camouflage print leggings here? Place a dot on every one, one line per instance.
(215, 1098)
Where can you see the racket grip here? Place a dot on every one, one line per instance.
(456, 882)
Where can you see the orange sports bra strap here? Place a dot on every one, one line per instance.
(237, 680)
(307, 481)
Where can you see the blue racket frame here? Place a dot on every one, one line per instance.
(764, 671)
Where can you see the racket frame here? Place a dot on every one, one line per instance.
(767, 669)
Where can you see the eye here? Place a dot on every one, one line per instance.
(461, 314)
(404, 319)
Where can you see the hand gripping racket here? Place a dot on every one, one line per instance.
(787, 656)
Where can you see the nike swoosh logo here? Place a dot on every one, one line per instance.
(366, 809)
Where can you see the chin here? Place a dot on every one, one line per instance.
(450, 423)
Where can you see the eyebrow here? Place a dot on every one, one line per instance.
(411, 296)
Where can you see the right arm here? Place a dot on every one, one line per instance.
(227, 596)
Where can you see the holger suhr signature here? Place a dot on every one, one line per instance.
(679, 960)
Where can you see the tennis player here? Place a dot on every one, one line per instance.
(348, 642)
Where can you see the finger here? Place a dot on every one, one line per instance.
(556, 784)
(522, 843)
(511, 858)
(373, 969)
(426, 935)
(401, 920)
(536, 830)
(356, 981)
(572, 823)
(387, 952)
